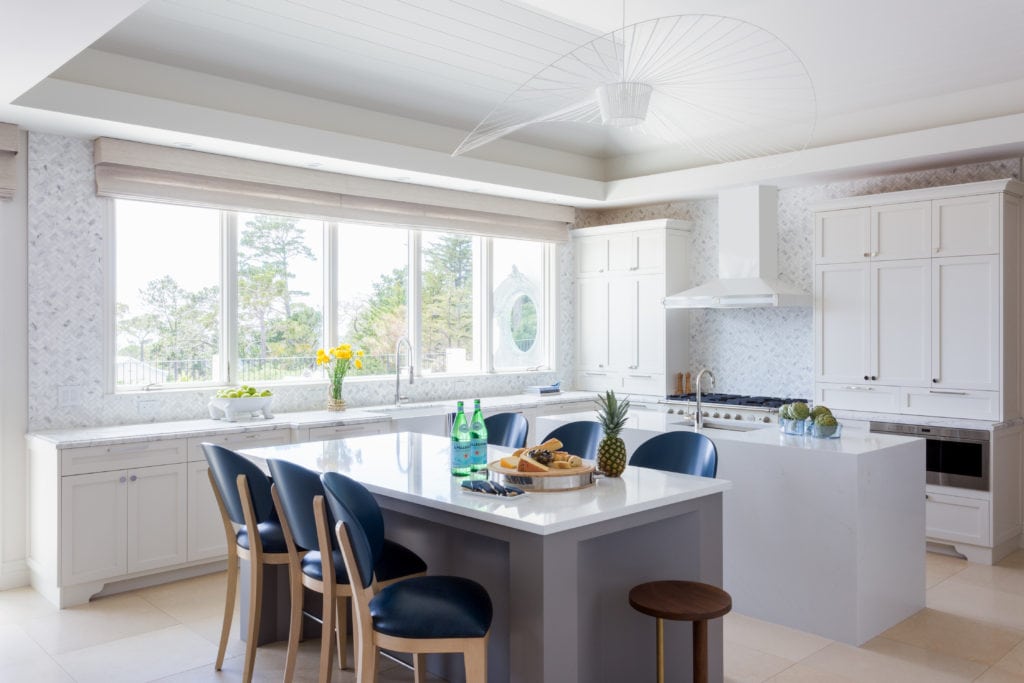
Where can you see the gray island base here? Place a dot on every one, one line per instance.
(558, 566)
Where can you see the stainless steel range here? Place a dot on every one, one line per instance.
(764, 409)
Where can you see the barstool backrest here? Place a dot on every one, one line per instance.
(507, 429)
(350, 502)
(296, 489)
(226, 465)
(683, 452)
(579, 438)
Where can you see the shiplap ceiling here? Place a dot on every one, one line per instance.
(388, 88)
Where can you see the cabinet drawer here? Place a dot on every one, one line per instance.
(974, 405)
(122, 456)
(857, 397)
(272, 437)
(643, 383)
(597, 381)
(345, 431)
(957, 519)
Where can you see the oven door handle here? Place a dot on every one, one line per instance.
(947, 393)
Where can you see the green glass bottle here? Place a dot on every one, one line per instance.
(478, 439)
(462, 445)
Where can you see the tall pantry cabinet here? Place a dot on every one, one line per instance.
(627, 340)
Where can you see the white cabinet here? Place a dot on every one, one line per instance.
(965, 322)
(626, 339)
(126, 521)
(958, 519)
(929, 308)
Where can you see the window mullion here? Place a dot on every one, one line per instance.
(230, 369)
(485, 309)
(413, 302)
(331, 278)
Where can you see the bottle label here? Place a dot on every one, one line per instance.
(479, 452)
(461, 453)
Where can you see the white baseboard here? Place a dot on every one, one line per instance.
(14, 574)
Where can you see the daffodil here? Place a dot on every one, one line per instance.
(339, 359)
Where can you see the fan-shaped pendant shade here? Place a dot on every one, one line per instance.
(724, 88)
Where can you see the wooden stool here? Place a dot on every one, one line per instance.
(682, 601)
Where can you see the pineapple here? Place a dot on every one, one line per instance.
(611, 453)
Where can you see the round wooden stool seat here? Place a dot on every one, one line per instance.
(682, 601)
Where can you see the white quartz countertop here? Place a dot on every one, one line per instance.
(852, 441)
(415, 468)
(150, 431)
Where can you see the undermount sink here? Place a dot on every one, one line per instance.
(722, 426)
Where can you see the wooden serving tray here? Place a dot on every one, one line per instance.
(553, 480)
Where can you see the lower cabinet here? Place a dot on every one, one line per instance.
(122, 522)
(958, 519)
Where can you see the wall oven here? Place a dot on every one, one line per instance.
(955, 457)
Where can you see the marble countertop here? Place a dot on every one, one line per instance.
(150, 431)
(415, 468)
(852, 441)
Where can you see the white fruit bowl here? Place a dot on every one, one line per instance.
(230, 409)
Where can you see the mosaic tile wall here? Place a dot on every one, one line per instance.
(67, 261)
(763, 350)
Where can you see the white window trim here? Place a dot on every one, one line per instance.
(227, 371)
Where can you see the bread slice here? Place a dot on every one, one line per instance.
(528, 464)
(510, 462)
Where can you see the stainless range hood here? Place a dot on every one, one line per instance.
(747, 256)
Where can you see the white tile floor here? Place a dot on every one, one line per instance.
(971, 630)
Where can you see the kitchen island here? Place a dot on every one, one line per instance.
(558, 566)
(822, 535)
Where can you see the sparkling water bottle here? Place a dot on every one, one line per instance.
(462, 445)
(478, 439)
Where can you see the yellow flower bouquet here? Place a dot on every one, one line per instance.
(338, 361)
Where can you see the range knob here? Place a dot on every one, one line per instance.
(715, 415)
(766, 419)
(670, 410)
(738, 417)
(705, 414)
(727, 416)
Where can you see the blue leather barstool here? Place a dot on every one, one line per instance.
(683, 452)
(507, 429)
(579, 438)
(298, 495)
(421, 615)
(243, 497)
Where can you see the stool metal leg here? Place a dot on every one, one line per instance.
(700, 652)
(661, 651)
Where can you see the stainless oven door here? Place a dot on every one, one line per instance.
(955, 457)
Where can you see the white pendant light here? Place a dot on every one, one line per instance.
(724, 88)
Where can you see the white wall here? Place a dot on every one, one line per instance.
(13, 381)
(770, 351)
(67, 265)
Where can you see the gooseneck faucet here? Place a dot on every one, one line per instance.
(698, 419)
(398, 368)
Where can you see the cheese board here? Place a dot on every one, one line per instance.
(568, 479)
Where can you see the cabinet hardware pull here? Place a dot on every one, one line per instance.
(128, 448)
(634, 267)
(865, 377)
(867, 254)
(947, 393)
(132, 478)
(123, 479)
(935, 380)
(600, 365)
(641, 376)
(874, 377)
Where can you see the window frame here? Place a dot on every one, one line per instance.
(228, 372)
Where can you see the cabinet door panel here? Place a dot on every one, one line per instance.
(622, 324)
(205, 531)
(965, 226)
(650, 250)
(955, 518)
(157, 517)
(650, 324)
(622, 252)
(965, 322)
(901, 231)
(842, 236)
(93, 510)
(591, 254)
(592, 300)
(901, 337)
(842, 322)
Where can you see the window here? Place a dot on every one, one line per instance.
(208, 297)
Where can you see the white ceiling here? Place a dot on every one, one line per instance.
(389, 87)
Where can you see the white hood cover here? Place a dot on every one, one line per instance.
(747, 256)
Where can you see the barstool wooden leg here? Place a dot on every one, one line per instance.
(661, 650)
(229, 605)
(475, 657)
(341, 610)
(700, 652)
(419, 668)
(327, 634)
(294, 620)
(255, 601)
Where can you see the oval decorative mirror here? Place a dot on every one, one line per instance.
(523, 322)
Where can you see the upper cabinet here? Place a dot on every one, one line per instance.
(626, 339)
(916, 301)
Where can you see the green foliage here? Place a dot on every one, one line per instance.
(380, 321)
(447, 298)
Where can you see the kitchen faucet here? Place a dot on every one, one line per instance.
(698, 419)
(398, 368)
